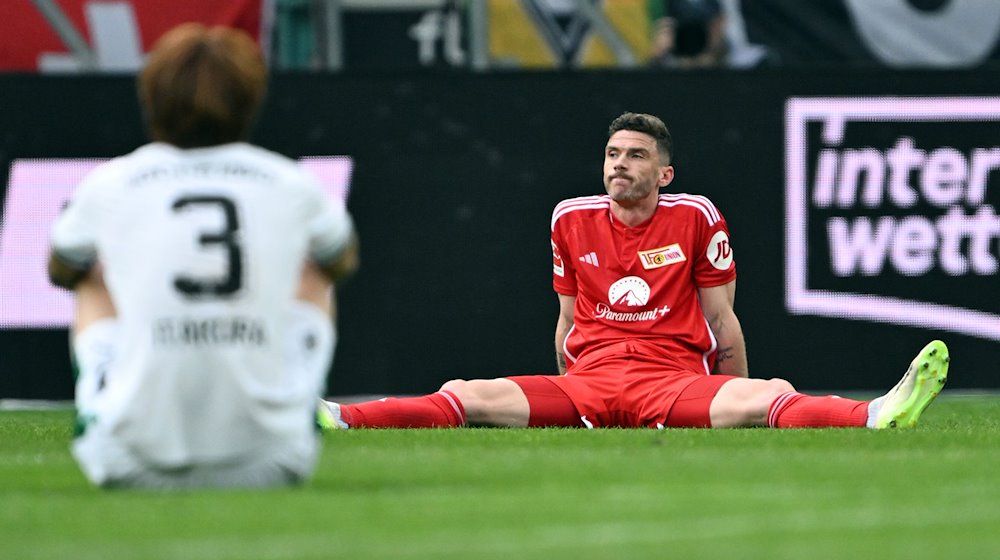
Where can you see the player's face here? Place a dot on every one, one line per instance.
(633, 169)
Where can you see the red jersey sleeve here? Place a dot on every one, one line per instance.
(714, 264)
(563, 272)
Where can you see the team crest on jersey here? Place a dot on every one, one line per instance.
(663, 256)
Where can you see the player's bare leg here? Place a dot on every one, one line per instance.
(774, 403)
(480, 402)
(745, 402)
(93, 302)
(491, 402)
(316, 289)
(94, 340)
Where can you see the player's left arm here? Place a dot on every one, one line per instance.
(345, 263)
(717, 306)
(333, 240)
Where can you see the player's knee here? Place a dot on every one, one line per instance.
(465, 391)
(460, 389)
(480, 398)
(753, 392)
(455, 386)
(776, 387)
(768, 392)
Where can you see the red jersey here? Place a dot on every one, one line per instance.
(641, 282)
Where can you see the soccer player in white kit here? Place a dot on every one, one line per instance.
(202, 267)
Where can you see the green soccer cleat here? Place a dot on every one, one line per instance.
(902, 406)
(328, 416)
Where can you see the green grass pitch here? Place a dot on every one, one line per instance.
(932, 492)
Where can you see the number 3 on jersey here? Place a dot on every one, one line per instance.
(226, 238)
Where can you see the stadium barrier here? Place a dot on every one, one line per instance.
(862, 206)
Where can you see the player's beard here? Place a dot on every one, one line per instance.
(635, 191)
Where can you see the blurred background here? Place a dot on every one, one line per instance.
(852, 145)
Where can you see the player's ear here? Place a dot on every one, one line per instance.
(666, 175)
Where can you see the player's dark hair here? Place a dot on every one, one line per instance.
(647, 124)
(202, 86)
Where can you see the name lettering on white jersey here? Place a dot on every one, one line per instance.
(662, 256)
(210, 331)
(177, 171)
(591, 259)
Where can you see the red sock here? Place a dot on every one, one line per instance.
(437, 410)
(795, 410)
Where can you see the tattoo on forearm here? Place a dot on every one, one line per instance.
(724, 354)
(561, 361)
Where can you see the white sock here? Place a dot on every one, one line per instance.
(874, 406)
(334, 410)
(94, 351)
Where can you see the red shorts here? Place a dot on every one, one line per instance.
(622, 387)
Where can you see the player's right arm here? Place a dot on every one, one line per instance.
(564, 283)
(563, 325)
(73, 239)
(65, 274)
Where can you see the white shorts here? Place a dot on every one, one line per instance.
(107, 462)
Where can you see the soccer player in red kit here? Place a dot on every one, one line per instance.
(646, 334)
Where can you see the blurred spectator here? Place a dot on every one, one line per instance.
(688, 34)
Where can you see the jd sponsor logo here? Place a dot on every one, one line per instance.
(719, 252)
(891, 211)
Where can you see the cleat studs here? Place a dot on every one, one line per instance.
(925, 365)
(934, 352)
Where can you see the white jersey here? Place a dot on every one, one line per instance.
(202, 251)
